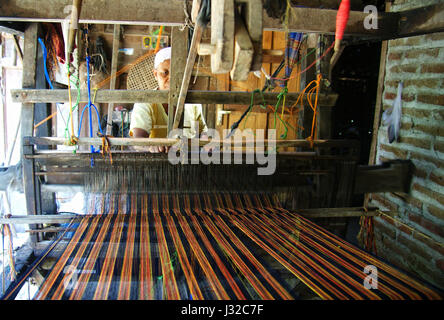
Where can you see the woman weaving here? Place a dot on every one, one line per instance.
(151, 119)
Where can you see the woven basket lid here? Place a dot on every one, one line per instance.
(140, 76)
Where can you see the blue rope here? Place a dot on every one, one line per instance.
(45, 54)
(89, 105)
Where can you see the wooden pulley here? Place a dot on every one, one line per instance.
(236, 38)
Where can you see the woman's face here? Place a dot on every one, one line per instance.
(162, 75)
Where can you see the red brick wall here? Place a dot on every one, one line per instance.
(419, 63)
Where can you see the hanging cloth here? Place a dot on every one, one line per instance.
(291, 55)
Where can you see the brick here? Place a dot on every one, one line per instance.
(413, 41)
(408, 199)
(437, 131)
(422, 83)
(417, 113)
(406, 68)
(414, 247)
(440, 264)
(406, 126)
(386, 203)
(387, 255)
(391, 244)
(431, 99)
(405, 229)
(427, 224)
(420, 173)
(414, 54)
(424, 269)
(435, 211)
(385, 221)
(434, 36)
(415, 202)
(431, 243)
(399, 153)
(437, 179)
(408, 97)
(425, 158)
(432, 68)
(396, 42)
(395, 56)
(392, 83)
(385, 229)
(424, 143)
(389, 96)
(438, 146)
(430, 193)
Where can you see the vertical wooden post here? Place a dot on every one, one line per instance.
(179, 43)
(378, 106)
(112, 85)
(325, 113)
(210, 117)
(27, 117)
(197, 35)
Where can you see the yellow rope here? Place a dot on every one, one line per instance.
(94, 97)
(73, 139)
(158, 39)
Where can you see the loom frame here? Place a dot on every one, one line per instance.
(397, 25)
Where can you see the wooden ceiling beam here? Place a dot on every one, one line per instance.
(161, 96)
(391, 25)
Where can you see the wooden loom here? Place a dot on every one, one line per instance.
(211, 246)
(234, 225)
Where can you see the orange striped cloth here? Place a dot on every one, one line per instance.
(213, 246)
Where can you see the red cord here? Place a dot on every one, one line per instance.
(341, 21)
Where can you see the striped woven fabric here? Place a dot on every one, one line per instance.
(212, 246)
(292, 48)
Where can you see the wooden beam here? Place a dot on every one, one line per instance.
(197, 36)
(170, 142)
(309, 213)
(253, 14)
(195, 10)
(161, 96)
(147, 12)
(314, 20)
(393, 176)
(179, 48)
(170, 13)
(73, 25)
(338, 212)
(17, 47)
(112, 84)
(222, 35)
(243, 51)
(30, 183)
(51, 229)
(272, 56)
(429, 19)
(39, 219)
